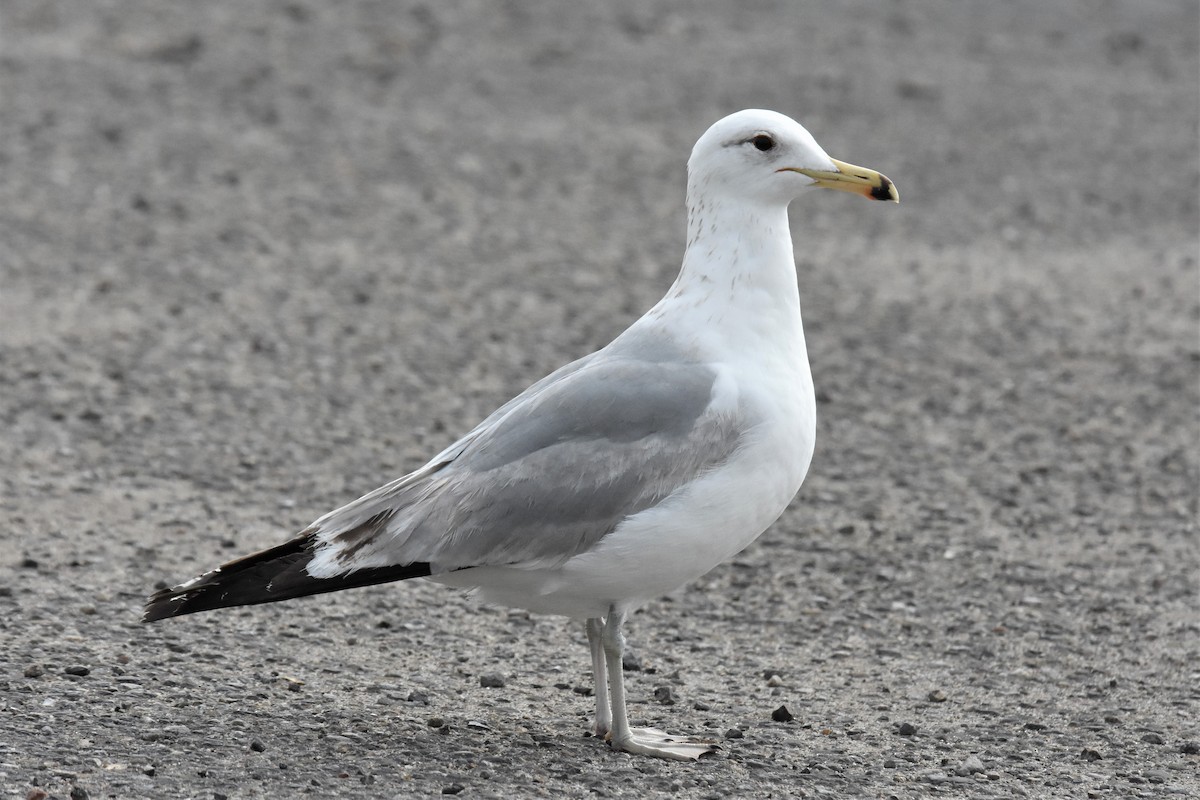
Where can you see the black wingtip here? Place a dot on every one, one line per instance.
(160, 606)
(268, 576)
(165, 603)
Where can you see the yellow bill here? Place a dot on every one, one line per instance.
(849, 178)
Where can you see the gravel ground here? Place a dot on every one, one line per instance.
(258, 257)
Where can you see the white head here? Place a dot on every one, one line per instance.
(765, 157)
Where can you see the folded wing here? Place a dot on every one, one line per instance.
(544, 478)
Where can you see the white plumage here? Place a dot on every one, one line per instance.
(628, 473)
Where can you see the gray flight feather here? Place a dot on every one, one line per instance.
(547, 475)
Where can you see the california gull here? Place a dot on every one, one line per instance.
(623, 475)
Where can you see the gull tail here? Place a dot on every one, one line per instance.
(279, 573)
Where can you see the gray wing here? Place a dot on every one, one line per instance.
(543, 478)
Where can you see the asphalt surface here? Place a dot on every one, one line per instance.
(257, 258)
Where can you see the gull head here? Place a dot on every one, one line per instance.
(765, 157)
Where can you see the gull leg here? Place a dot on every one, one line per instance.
(643, 741)
(595, 636)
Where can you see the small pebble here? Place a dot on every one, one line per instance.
(491, 681)
(29, 562)
(1189, 748)
(782, 714)
(453, 788)
(774, 681)
(971, 765)
(698, 706)
(34, 671)
(906, 729)
(662, 694)
(1152, 738)
(435, 722)
(889, 764)
(631, 663)
(937, 696)
(257, 746)
(734, 733)
(1089, 754)
(77, 669)
(418, 697)
(79, 793)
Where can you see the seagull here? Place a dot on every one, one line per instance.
(623, 475)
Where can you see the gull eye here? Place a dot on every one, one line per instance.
(763, 142)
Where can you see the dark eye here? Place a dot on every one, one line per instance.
(763, 142)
